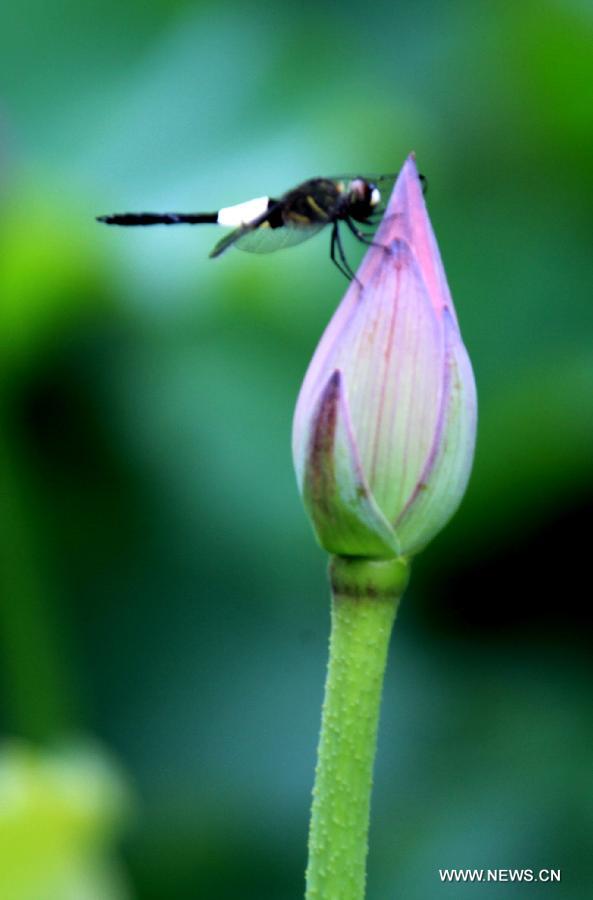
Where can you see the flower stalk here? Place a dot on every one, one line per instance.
(365, 597)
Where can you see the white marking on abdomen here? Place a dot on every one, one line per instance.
(242, 213)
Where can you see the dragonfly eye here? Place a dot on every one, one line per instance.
(358, 190)
(375, 198)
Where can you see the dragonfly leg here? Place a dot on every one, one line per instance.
(350, 274)
(360, 235)
(335, 241)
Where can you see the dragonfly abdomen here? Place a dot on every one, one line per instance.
(159, 219)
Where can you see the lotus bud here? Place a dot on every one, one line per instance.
(385, 423)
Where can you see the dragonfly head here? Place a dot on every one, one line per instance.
(363, 197)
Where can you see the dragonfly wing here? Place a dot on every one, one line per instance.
(385, 184)
(227, 241)
(261, 238)
(242, 231)
(267, 240)
(258, 236)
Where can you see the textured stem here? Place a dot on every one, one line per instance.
(365, 599)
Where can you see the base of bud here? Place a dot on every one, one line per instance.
(361, 578)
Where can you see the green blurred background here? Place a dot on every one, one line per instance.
(164, 609)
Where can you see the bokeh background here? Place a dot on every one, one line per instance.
(164, 609)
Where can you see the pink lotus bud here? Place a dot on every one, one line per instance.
(384, 428)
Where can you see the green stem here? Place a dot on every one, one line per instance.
(366, 594)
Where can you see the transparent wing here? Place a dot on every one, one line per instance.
(258, 237)
(267, 240)
(385, 184)
(263, 239)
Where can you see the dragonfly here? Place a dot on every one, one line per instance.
(265, 224)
